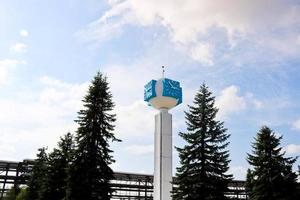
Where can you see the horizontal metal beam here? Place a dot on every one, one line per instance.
(126, 185)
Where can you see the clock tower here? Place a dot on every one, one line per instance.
(163, 94)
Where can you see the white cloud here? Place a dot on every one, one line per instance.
(189, 23)
(29, 123)
(134, 116)
(46, 80)
(296, 125)
(106, 32)
(202, 53)
(6, 150)
(239, 172)
(136, 119)
(67, 97)
(127, 82)
(7, 67)
(298, 40)
(19, 47)
(116, 166)
(258, 104)
(251, 100)
(292, 149)
(24, 33)
(140, 150)
(230, 102)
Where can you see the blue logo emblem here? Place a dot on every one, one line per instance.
(149, 91)
(170, 88)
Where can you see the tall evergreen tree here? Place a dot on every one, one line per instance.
(272, 177)
(36, 184)
(90, 172)
(59, 164)
(204, 160)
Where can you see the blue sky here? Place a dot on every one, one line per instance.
(247, 52)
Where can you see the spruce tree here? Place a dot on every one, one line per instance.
(59, 163)
(38, 178)
(204, 160)
(90, 173)
(272, 177)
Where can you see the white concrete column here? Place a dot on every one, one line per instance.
(163, 156)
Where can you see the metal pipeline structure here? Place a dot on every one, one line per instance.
(127, 186)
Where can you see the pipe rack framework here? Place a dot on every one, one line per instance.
(126, 185)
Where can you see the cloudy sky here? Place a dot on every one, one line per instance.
(246, 51)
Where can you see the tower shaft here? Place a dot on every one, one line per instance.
(163, 156)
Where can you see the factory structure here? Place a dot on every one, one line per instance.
(163, 95)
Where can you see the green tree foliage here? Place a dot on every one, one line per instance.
(90, 172)
(59, 164)
(272, 177)
(36, 186)
(23, 194)
(11, 194)
(204, 160)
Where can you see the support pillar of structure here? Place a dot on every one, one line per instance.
(163, 94)
(163, 156)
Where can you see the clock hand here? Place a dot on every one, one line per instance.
(172, 86)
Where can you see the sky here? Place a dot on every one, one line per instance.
(246, 51)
